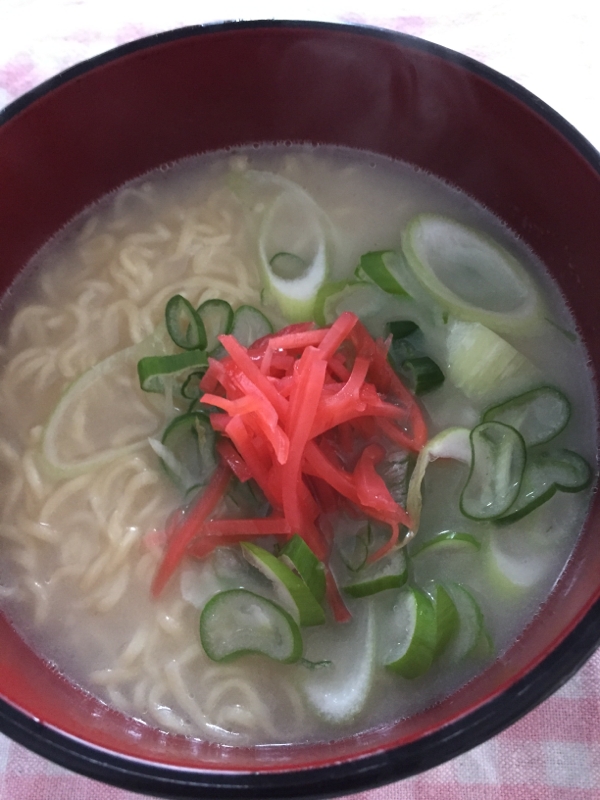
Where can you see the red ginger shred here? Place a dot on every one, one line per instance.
(335, 380)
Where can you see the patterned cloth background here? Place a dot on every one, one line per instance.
(554, 753)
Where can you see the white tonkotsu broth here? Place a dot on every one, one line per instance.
(79, 551)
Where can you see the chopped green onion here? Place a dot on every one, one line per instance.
(297, 554)
(401, 328)
(184, 324)
(424, 374)
(217, 316)
(545, 474)
(238, 622)
(388, 572)
(411, 634)
(447, 621)
(154, 371)
(290, 589)
(378, 266)
(482, 363)
(497, 466)
(187, 452)
(539, 415)
(250, 324)
(190, 388)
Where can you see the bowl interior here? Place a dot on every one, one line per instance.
(199, 90)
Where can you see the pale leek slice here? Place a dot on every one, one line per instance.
(481, 363)
(338, 691)
(470, 274)
(294, 238)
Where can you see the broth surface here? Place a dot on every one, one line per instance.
(79, 552)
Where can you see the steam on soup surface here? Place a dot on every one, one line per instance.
(439, 524)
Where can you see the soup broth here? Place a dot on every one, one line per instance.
(86, 501)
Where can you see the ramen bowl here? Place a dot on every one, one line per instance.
(158, 100)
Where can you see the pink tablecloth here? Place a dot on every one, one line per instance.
(554, 753)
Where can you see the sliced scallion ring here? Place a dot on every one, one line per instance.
(184, 324)
(378, 266)
(447, 620)
(250, 324)
(470, 274)
(449, 542)
(85, 429)
(187, 451)
(291, 591)
(411, 634)
(471, 634)
(238, 622)
(354, 550)
(497, 466)
(298, 555)
(388, 572)
(217, 316)
(545, 474)
(539, 415)
(401, 328)
(424, 374)
(340, 690)
(292, 246)
(154, 371)
(190, 388)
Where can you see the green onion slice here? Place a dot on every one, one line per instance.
(298, 555)
(291, 591)
(186, 450)
(545, 474)
(424, 374)
(411, 634)
(401, 328)
(378, 266)
(155, 371)
(539, 415)
(471, 639)
(482, 363)
(217, 317)
(447, 620)
(250, 324)
(449, 542)
(190, 388)
(497, 466)
(293, 239)
(184, 324)
(238, 622)
(388, 572)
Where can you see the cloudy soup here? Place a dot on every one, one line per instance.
(294, 442)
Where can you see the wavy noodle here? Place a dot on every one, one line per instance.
(76, 545)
